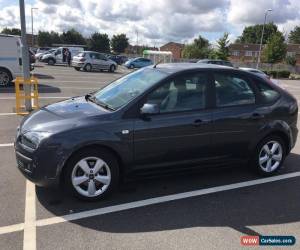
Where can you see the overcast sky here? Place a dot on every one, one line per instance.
(155, 21)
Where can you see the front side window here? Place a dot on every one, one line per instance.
(125, 89)
(232, 90)
(183, 93)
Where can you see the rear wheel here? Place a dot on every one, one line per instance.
(269, 155)
(88, 67)
(112, 68)
(92, 174)
(5, 77)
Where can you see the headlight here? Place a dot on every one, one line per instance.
(33, 139)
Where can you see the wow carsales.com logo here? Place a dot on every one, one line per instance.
(268, 240)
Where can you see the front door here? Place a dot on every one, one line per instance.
(181, 133)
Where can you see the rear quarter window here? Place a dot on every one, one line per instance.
(268, 94)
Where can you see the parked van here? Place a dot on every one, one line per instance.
(10, 58)
(58, 56)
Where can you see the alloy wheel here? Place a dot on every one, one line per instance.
(91, 177)
(270, 156)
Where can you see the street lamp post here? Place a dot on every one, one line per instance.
(261, 39)
(32, 38)
(25, 56)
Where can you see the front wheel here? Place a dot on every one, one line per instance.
(88, 67)
(269, 155)
(5, 77)
(112, 68)
(92, 174)
(51, 62)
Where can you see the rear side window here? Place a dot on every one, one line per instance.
(269, 95)
(232, 90)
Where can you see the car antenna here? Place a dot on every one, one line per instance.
(160, 61)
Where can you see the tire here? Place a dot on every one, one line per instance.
(77, 68)
(266, 160)
(88, 67)
(5, 77)
(131, 66)
(112, 68)
(51, 62)
(90, 187)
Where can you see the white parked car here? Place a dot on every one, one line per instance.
(90, 60)
(10, 58)
(58, 56)
(39, 55)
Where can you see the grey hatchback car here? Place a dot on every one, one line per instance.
(159, 119)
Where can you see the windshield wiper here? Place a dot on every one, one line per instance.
(93, 99)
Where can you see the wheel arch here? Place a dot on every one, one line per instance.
(97, 146)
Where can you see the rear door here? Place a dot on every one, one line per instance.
(237, 117)
(181, 132)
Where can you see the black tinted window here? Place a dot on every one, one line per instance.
(232, 90)
(268, 94)
(183, 93)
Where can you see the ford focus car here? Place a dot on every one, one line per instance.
(159, 119)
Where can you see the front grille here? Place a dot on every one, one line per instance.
(24, 163)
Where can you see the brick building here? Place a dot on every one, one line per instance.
(175, 48)
(249, 52)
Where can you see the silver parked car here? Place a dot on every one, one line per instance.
(90, 60)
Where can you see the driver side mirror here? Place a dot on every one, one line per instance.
(150, 109)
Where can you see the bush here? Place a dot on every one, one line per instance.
(278, 73)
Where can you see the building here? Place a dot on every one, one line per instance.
(249, 52)
(175, 48)
(138, 49)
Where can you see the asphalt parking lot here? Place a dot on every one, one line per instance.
(205, 210)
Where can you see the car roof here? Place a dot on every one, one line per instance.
(212, 60)
(172, 68)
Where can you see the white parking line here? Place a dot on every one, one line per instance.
(11, 228)
(29, 240)
(6, 145)
(162, 199)
(8, 114)
(40, 97)
(30, 205)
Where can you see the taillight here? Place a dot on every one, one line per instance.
(82, 59)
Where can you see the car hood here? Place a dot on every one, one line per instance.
(62, 115)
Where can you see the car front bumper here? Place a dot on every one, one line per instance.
(77, 64)
(40, 166)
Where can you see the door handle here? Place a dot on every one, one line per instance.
(197, 122)
(257, 116)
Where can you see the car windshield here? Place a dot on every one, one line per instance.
(125, 89)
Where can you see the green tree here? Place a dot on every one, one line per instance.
(199, 48)
(99, 42)
(294, 36)
(223, 47)
(252, 34)
(55, 38)
(72, 36)
(291, 60)
(12, 31)
(44, 39)
(275, 50)
(119, 43)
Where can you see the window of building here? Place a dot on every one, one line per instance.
(248, 53)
